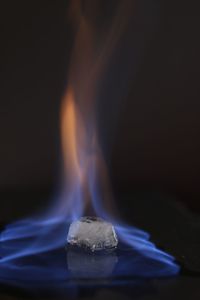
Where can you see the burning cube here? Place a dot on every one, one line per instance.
(92, 233)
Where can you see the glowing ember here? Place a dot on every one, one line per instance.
(92, 233)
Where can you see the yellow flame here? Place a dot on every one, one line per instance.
(75, 141)
(80, 145)
(69, 131)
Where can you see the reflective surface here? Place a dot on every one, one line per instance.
(61, 268)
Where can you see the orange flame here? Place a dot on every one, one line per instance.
(69, 135)
(80, 145)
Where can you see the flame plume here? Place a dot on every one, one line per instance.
(86, 186)
(83, 159)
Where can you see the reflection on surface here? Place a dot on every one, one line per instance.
(82, 264)
(51, 270)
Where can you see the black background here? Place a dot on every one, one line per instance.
(155, 141)
(152, 145)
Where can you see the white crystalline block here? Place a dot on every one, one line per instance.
(93, 233)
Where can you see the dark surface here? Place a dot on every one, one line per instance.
(172, 227)
(180, 288)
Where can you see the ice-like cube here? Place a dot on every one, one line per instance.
(92, 233)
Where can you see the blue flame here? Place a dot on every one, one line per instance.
(32, 251)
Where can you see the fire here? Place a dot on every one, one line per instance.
(84, 167)
(86, 180)
(69, 128)
(77, 155)
(85, 170)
